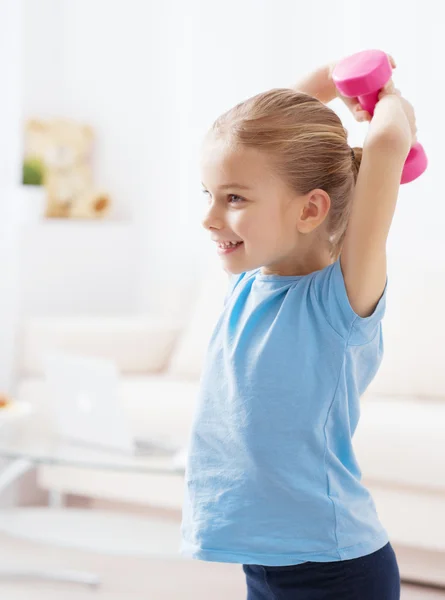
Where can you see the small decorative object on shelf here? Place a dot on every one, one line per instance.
(5, 401)
(32, 171)
(13, 410)
(57, 155)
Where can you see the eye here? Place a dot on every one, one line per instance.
(237, 197)
(233, 198)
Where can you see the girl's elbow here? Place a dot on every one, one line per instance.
(391, 140)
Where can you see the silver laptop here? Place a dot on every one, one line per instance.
(87, 408)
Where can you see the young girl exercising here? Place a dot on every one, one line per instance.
(300, 221)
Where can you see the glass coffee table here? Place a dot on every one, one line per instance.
(26, 446)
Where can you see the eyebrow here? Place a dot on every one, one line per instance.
(226, 186)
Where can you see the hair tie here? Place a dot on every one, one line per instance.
(353, 154)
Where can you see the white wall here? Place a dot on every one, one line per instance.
(86, 60)
(10, 152)
(412, 32)
(151, 77)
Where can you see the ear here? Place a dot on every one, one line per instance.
(315, 208)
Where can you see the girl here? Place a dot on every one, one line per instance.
(300, 221)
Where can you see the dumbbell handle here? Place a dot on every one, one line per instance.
(368, 101)
(362, 76)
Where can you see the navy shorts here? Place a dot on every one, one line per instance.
(372, 577)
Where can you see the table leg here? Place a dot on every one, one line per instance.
(56, 499)
(8, 475)
(13, 471)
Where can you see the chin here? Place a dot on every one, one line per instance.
(232, 268)
(244, 269)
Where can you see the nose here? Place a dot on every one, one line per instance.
(212, 217)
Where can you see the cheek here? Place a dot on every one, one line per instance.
(273, 224)
(244, 224)
(265, 228)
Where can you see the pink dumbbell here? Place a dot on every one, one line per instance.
(362, 76)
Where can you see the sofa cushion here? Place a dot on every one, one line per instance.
(401, 441)
(188, 355)
(138, 344)
(413, 329)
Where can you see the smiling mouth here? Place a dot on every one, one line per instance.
(228, 244)
(227, 248)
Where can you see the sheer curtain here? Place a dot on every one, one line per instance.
(10, 177)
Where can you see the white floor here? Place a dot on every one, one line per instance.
(142, 578)
(123, 578)
(133, 579)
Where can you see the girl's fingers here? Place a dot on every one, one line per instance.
(359, 113)
(388, 88)
(351, 103)
(392, 62)
(363, 115)
(356, 109)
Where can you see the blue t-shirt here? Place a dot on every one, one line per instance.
(271, 477)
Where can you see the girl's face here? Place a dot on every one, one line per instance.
(248, 204)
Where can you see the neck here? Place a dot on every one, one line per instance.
(303, 264)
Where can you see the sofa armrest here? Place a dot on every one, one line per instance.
(137, 344)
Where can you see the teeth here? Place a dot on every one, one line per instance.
(228, 244)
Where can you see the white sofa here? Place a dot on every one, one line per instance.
(400, 441)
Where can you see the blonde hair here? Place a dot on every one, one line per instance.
(308, 147)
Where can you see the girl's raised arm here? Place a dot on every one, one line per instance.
(391, 134)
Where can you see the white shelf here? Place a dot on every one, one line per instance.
(79, 224)
(31, 205)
